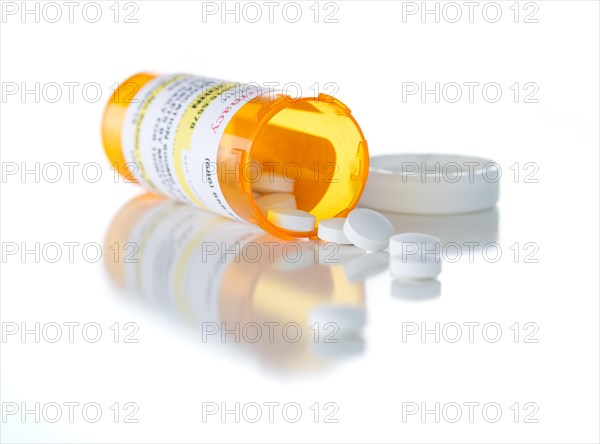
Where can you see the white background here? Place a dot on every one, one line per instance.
(370, 53)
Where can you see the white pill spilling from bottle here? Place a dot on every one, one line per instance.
(332, 230)
(368, 229)
(292, 219)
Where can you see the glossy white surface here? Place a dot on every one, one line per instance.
(517, 330)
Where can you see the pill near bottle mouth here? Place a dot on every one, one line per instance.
(368, 229)
(292, 219)
(276, 200)
(332, 230)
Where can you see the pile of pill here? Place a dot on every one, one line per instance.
(274, 195)
(411, 255)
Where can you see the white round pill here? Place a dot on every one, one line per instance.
(368, 229)
(411, 244)
(332, 230)
(269, 182)
(276, 200)
(415, 267)
(292, 219)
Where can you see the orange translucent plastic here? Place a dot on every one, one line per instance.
(112, 121)
(258, 291)
(314, 140)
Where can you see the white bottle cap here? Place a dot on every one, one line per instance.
(431, 184)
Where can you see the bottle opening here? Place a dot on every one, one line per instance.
(307, 154)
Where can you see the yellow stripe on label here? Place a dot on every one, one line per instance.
(138, 127)
(183, 262)
(185, 131)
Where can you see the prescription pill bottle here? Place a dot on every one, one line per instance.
(236, 149)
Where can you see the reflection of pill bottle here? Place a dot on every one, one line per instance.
(208, 270)
(220, 145)
(190, 261)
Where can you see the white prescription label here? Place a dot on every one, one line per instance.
(171, 136)
(166, 262)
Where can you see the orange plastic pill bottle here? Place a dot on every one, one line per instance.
(224, 146)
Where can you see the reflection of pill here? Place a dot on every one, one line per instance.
(292, 219)
(273, 183)
(366, 265)
(335, 318)
(368, 229)
(331, 253)
(329, 346)
(415, 290)
(332, 230)
(414, 244)
(276, 200)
